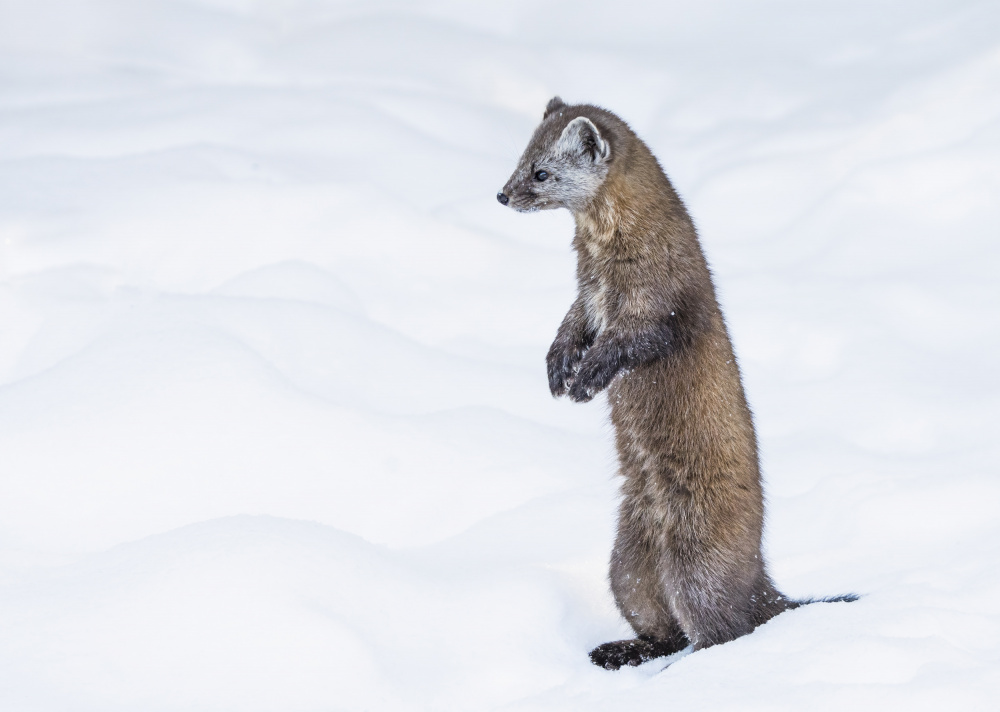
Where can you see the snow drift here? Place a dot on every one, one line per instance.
(274, 426)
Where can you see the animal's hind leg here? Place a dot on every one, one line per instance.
(716, 602)
(638, 592)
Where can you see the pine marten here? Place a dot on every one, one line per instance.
(687, 567)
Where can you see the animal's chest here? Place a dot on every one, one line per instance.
(597, 287)
(596, 296)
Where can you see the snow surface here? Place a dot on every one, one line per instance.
(274, 426)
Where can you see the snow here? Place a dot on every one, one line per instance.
(274, 423)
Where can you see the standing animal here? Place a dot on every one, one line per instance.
(687, 567)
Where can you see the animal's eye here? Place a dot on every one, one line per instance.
(541, 175)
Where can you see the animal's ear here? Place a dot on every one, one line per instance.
(555, 103)
(581, 137)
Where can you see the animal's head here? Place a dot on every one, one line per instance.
(563, 166)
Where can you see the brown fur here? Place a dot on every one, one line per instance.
(687, 565)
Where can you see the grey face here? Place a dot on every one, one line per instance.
(563, 166)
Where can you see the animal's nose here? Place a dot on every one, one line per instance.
(503, 198)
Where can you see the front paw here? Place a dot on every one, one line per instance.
(594, 375)
(580, 393)
(562, 363)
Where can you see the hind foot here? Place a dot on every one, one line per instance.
(612, 656)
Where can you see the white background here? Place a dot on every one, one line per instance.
(275, 432)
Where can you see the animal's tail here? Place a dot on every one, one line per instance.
(843, 598)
